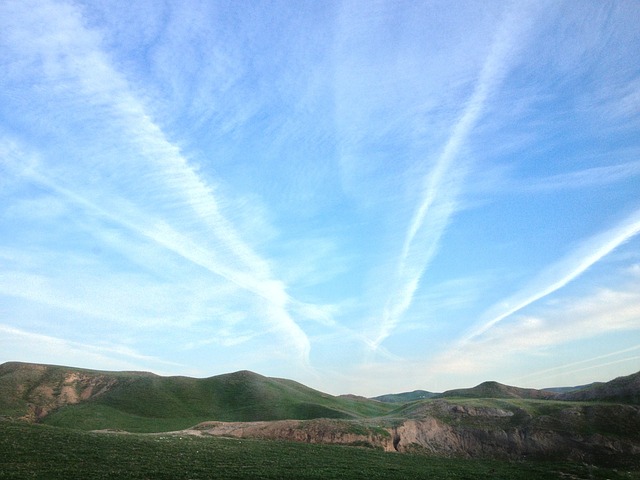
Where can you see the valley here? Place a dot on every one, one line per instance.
(597, 425)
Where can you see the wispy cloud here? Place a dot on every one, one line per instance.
(543, 336)
(588, 177)
(186, 209)
(578, 179)
(569, 368)
(29, 346)
(276, 187)
(560, 273)
(440, 189)
(511, 350)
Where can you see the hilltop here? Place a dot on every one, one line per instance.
(405, 396)
(496, 390)
(622, 389)
(490, 420)
(141, 401)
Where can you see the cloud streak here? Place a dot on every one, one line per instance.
(76, 63)
(68, 352)
(536, 336)
(285, 189)
(560, 274)
(568, 367)
(440, 189)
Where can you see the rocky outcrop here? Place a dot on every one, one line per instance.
(577, 433)
(71, 389)
(341, 432)
(36, 390)
(433, 437)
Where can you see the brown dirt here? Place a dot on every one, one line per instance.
(432, 436)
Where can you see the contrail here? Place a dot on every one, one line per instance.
(164, 170)
(561, 273)
(582, 362)
(441, 185)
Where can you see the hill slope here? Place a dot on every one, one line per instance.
(494, 420)
(621, 390)
(405, 396)
(31, 391)
(496, 390)
(137, 401)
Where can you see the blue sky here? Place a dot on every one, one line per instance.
(366, 197)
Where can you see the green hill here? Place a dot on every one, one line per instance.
(490, 420)
(405, 396)
(622, 390)
(136, 401)
(496, 390)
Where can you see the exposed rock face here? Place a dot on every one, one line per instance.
(342, 432)
(41, 389)
(71, 389)
(506, 425)
(431, 436)
(599, 433)
(577, 433)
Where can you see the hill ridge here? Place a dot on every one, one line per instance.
(92, 399)
(245, 404)
(493, 389)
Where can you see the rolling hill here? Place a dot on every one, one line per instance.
(496, 390)
(405, 396)
(621, 390)
(490, 420)
(139, 401)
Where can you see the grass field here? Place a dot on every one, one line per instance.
(44, 452)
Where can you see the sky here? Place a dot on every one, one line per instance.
(365, 197)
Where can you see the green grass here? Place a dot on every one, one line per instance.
(149, 403)
(44, 452)
(99, 417)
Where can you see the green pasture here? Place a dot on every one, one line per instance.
(44, 452)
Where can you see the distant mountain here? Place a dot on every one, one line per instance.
(405, 396)
(496, 390)
(138, 401)
(620, 390)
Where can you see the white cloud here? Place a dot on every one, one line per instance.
(570, 320)
(18, 344)
(588, 177)
(559, 274)
(438, 198)
(569, 368)
(74, 62)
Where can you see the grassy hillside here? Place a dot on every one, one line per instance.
(31, 390)
(570, 389)
(622, 390)
(143, 402)
(405, 396)
(496, 390)
(39, 451)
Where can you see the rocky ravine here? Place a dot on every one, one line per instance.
(590, 433)
(41, 389)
